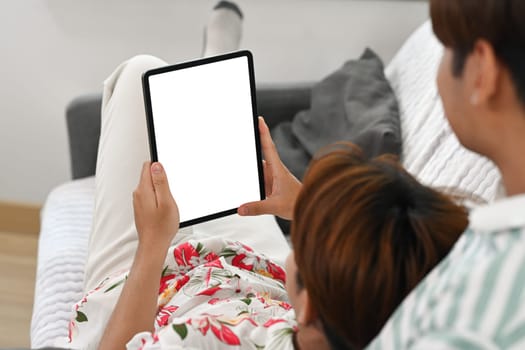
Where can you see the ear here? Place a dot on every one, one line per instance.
(308, 314)
(486, 72)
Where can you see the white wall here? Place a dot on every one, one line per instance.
(54, 50)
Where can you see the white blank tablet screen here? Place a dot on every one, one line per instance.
(204, 129)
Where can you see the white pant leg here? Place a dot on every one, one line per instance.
(123, 147)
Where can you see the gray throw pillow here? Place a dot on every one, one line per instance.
(355, 103)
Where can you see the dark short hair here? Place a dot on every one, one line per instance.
(460, 23)
(365, 233)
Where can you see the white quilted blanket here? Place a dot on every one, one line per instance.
(431, 152)
(62, 252)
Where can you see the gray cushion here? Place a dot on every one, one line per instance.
(355, 103)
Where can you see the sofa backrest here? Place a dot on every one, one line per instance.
(431, 150)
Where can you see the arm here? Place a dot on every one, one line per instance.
(157, 221)
(455, 339)
(282, 188)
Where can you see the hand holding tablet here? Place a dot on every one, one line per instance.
(203, 128)
(282, 187)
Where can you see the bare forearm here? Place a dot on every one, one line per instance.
(157, 220)
(137, 306)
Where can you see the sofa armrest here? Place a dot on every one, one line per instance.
(275, 102)
(83, 127)
(278, 103)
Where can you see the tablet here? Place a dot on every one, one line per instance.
(203, 128)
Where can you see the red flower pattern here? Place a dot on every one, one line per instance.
(70, 330)
(209, 291)
(211, 257)
(214, 263)
(214, 301)
(225, 335)
(239, 261)
(164, 314)
(203, 325)
(164, 281)
(276, 272)
(183, 254)
(249, 249)
(285, 305)
(272, 321)
(182, 281)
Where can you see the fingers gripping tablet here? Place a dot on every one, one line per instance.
(202, 126)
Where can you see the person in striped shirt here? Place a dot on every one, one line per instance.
(475, 298)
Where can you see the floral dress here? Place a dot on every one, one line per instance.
(213, 294)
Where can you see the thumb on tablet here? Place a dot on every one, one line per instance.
(256, 208)
(160, 184)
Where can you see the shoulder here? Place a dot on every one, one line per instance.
(473, 297)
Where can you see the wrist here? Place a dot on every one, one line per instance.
(151, 254)
(151, 240)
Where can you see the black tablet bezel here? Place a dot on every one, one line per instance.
(151, 125)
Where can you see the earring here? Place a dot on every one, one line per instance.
(474, 99)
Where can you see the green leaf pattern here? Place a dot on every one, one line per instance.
(181, 330)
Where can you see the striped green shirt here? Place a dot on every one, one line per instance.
(475, 299)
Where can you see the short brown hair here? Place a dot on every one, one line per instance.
(460, 23)
(365, 233)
